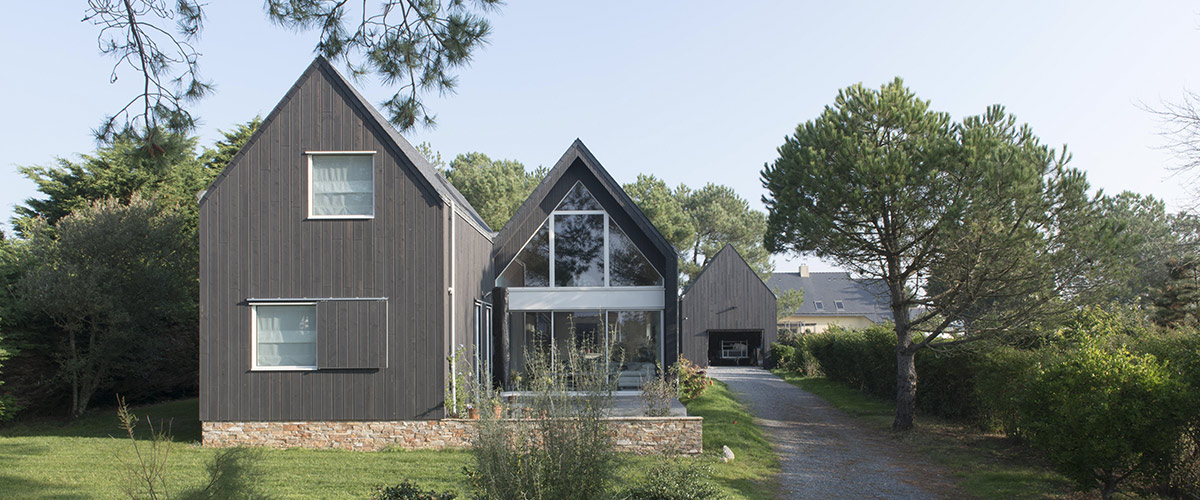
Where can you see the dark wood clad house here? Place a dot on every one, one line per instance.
(341, 275)
(579, 256)
(728, 313)
(338, 268)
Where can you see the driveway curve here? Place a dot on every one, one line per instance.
(823, 452)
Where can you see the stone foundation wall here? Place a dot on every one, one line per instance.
(630, 434)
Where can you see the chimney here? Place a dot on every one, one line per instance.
(803, 270)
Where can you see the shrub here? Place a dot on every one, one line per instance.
(566, 451)
(657, 394)
(864, 359)
(693, 380)
(676, 478)
(1103, 415)
(409, 491)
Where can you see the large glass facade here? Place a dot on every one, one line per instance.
(587, 249)
(531, 267)
(579, 250)
(629, 340)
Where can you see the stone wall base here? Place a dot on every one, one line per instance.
(640, 435)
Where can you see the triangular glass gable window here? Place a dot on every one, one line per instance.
(579, 198)
(531, 267)
(579, 258)
(627, 265)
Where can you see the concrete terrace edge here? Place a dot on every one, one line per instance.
(640, 435)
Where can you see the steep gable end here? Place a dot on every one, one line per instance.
(731, 261)
(330, 132)
(577, 165)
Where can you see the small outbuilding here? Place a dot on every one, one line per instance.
(727, 314)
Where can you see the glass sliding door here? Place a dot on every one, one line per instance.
(628, 344)
(634, 337)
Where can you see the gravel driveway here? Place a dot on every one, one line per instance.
(823, 453)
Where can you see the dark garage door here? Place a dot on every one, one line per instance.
(735, 347)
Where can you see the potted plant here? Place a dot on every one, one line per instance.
(472, 412)
(497, 407)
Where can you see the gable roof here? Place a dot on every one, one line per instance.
(578, 153)
(861, 297)
(374, 119)
(727, 252)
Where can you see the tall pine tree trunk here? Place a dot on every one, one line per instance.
(906, 387)
(906, 363)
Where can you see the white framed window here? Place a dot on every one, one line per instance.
(341, 185)
(283, 336)
(820, 306)
(839, 305)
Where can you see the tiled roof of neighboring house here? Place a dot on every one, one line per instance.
(858, 297)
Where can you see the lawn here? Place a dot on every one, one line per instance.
(753, 472)
(987, 465)
(79, 460)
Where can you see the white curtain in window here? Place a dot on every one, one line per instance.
(342, 185)
(287, 335)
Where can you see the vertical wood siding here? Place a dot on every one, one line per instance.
(726, 296)
(256, 243)
(473, 280)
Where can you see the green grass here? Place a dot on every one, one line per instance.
(753, 472)
(63, 460)
(52, 460)
(986, 465)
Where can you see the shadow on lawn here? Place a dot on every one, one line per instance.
(182, 415)
(29, 488)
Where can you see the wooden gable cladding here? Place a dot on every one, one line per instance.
(256, 241)
(352, 334)
(726, 296)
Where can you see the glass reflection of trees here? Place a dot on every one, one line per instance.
(579, 250)
(628, 266)
(628, 339)
(579, 258)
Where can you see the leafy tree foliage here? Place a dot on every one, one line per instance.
(214, 159)
(128, 33)
(972, 226)
(1103, 415)
(661, 205)
(118, 170)
(1158, 241)
(720, 216)
(699, 223)
(1178, 302)
(416, 44)
(496, 188)
(788, 301)
(118, 280)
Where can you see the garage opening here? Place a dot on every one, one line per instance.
(735, 347)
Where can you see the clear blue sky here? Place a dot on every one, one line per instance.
(692, 92)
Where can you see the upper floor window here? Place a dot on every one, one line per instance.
(841, 306)
(820, 306)
(586, 247)
(341, 185)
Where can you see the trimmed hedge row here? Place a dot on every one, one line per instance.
(1106, 396)
(865, 359)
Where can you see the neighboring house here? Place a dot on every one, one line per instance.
(728, 313)
(833, 298)
(340, 275)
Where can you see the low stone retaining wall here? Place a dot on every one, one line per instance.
(630, 434)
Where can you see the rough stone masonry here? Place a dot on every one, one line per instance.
(642, 435)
